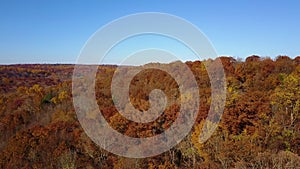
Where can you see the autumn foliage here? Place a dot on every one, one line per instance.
(260, 127)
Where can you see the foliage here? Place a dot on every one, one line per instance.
(260, 127)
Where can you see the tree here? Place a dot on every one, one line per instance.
(287, 97)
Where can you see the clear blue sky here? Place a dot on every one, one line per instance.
(52, 31)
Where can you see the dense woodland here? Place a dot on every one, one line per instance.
(260, 127)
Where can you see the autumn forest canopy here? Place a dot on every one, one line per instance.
(259, 128)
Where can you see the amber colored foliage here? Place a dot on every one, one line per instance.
(260, 127)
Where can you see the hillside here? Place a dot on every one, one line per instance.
(260, 126)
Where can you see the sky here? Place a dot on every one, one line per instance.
(53, 31)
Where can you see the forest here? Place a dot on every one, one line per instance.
(259, 128)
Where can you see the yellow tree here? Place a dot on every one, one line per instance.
(287, 96)
(286, 109)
